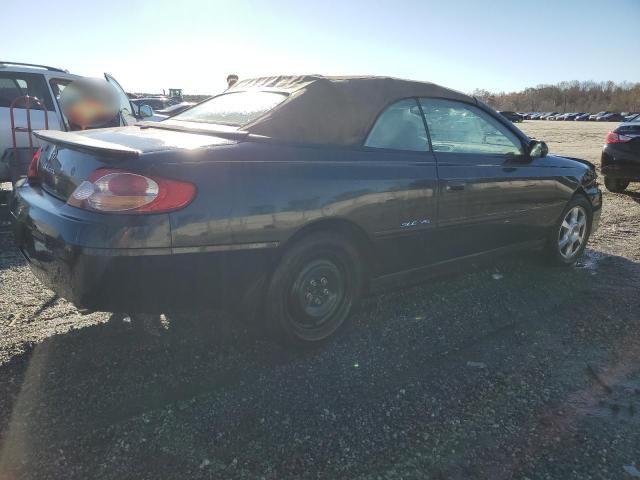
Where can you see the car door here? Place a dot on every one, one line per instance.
(386, 186)
(489, 191)
(399, 139)
(18, 84)
(12, 86)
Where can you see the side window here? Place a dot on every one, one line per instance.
(400, 127)
(14, 85)
(460, 128)
(58, 85)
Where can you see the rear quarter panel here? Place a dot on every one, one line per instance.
(263, 193)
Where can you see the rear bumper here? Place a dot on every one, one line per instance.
(624, 171)
(620, 162)
(125, 279)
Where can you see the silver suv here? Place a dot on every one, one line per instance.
(45, 83)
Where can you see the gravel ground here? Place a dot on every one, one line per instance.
(512, 370)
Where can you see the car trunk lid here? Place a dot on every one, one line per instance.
(630, 130)
(68, 158)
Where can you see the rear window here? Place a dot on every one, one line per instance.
(235, 109)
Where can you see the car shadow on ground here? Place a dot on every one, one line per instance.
(635, 196)
(93, 378)
(9, 255)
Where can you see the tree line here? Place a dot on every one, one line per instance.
(573, 96)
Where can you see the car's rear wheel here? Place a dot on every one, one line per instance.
(314, 289)
(616, 185)
(569, 237)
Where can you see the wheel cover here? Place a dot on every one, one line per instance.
(573, 232)
(317, 294)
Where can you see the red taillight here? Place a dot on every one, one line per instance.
(32, 171)
(128, 192)
(613, 137)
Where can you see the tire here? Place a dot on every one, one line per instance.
(570, 234)
(616, 185)
(314, 289)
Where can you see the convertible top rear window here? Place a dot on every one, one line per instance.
(235, 109)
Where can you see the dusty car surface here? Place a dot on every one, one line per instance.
(300, 193)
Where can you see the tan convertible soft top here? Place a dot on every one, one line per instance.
(332, 110)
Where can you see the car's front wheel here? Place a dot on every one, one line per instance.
(314, 289)
(569, 237)
(616, 185)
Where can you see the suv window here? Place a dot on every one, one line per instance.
(14, 85)
(58, 85)
(400, 127)
(461, 128)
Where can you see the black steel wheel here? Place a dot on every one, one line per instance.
(314, 288)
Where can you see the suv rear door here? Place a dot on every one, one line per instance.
(17, 84)
(14, 84)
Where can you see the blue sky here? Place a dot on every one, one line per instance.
(463, 44)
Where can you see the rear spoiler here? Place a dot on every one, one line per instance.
(82, 142)
(202, 129)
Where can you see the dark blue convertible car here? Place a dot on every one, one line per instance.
(297, 193)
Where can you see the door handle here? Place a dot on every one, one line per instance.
(455, 186)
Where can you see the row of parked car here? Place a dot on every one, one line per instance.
(580, 116)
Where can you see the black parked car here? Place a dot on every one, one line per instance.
(300, 193)
(157, 103)
(621, 156)
(173, 110)
(584, 117)
(513, 116)
(611, 117)
(571, 116)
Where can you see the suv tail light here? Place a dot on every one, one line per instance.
(32, 171)
(119, 191)
(613, 137)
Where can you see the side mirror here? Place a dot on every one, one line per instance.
(145, 111)
(537, 149)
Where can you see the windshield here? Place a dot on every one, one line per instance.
(235, 109)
